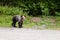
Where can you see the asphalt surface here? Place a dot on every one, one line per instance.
(28, 34)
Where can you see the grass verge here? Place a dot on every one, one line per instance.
(45, 22)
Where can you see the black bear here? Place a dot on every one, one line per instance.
(19, 19)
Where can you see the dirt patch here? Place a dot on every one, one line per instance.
(36, 19)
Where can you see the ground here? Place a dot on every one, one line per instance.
(28, 34)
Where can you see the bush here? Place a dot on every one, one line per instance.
(5, 10)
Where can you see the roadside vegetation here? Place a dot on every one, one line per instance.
(43, 22)
(40, 14)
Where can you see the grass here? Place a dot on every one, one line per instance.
(46, 22)
(5, 21)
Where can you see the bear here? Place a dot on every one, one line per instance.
(19, 19)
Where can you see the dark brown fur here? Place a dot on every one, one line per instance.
(18, 19)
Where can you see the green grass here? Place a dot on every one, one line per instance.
(6, 20)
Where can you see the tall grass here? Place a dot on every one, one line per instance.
(5, 20)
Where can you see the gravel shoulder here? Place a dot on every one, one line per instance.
(28, 34)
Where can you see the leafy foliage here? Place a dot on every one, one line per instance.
(33, 7)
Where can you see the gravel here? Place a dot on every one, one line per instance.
(28, 34)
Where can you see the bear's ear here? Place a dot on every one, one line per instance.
(25, 16)
(21, 16)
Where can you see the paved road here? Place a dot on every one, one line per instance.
(28, 34)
